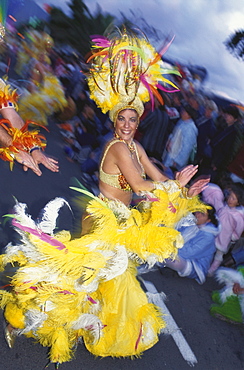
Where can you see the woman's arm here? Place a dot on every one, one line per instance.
(13, 117)
(120, 156)
(150, 169)
(5, 138)
(32, 160)
(184, 176)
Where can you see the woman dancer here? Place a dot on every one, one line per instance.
(66, 289)
(43, 94)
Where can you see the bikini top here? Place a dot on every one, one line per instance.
(117, 181)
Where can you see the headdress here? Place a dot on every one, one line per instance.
(126, 71)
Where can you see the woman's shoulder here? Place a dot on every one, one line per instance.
(139, 147)
(115, 146)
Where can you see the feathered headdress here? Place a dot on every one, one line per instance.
(126, 71)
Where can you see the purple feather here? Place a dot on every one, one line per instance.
(44, 237)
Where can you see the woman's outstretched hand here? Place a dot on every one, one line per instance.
(32, 161)
(185, 175)
(41, 158)
(198, 186)
(27, 161)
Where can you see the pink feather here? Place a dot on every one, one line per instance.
(44, 237)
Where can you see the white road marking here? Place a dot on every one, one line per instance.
(171, 327)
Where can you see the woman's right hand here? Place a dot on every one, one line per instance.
(198, 186)
(185, 175)
(27, 161)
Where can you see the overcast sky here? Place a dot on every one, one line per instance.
(200, 28)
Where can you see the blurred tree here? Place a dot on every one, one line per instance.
(235, 44)
(59, 26)
(75, 30)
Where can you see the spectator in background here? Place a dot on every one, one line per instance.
(230, 212)
(154, 130)
(228, 302)
(225, 144)
(182, 141)
(236, 167)
(196, 101)
(196, 255)
(206, 132)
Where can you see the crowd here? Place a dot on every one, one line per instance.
(186, 136)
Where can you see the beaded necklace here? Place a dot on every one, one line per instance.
(131, 146)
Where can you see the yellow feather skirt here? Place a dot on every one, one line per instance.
(66, 289)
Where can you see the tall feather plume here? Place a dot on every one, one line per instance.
(49, 215)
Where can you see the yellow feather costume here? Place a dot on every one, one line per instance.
(65, 289)
(48, 99)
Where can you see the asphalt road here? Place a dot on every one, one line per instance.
(216, 345)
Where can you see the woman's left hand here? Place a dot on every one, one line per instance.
(198, 186)
(185, 175)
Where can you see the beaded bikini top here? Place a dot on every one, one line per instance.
(117, 181)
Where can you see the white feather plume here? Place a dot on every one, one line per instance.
(38, 274)
(49, 215)
(22, 216)
(116, 264)
(33, 320)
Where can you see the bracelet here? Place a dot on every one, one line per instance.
(158, 185)
(7, 104)
(34, 148)
(8, 96)
(23, 140)
(178, 184)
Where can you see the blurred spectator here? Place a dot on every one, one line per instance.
(154, 130)
(235, 257)
(206, 132)
(228, 302)
(236, 167)
(230, 211)
(183, 140)
(196, 255)
(224, 144)
(196, 101)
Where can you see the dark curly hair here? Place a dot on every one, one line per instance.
(212, 215)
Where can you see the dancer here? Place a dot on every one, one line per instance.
(43, 94)
(67, 289)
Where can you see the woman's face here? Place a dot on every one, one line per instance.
(126, 124)
(232, 200)
(202, 218)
